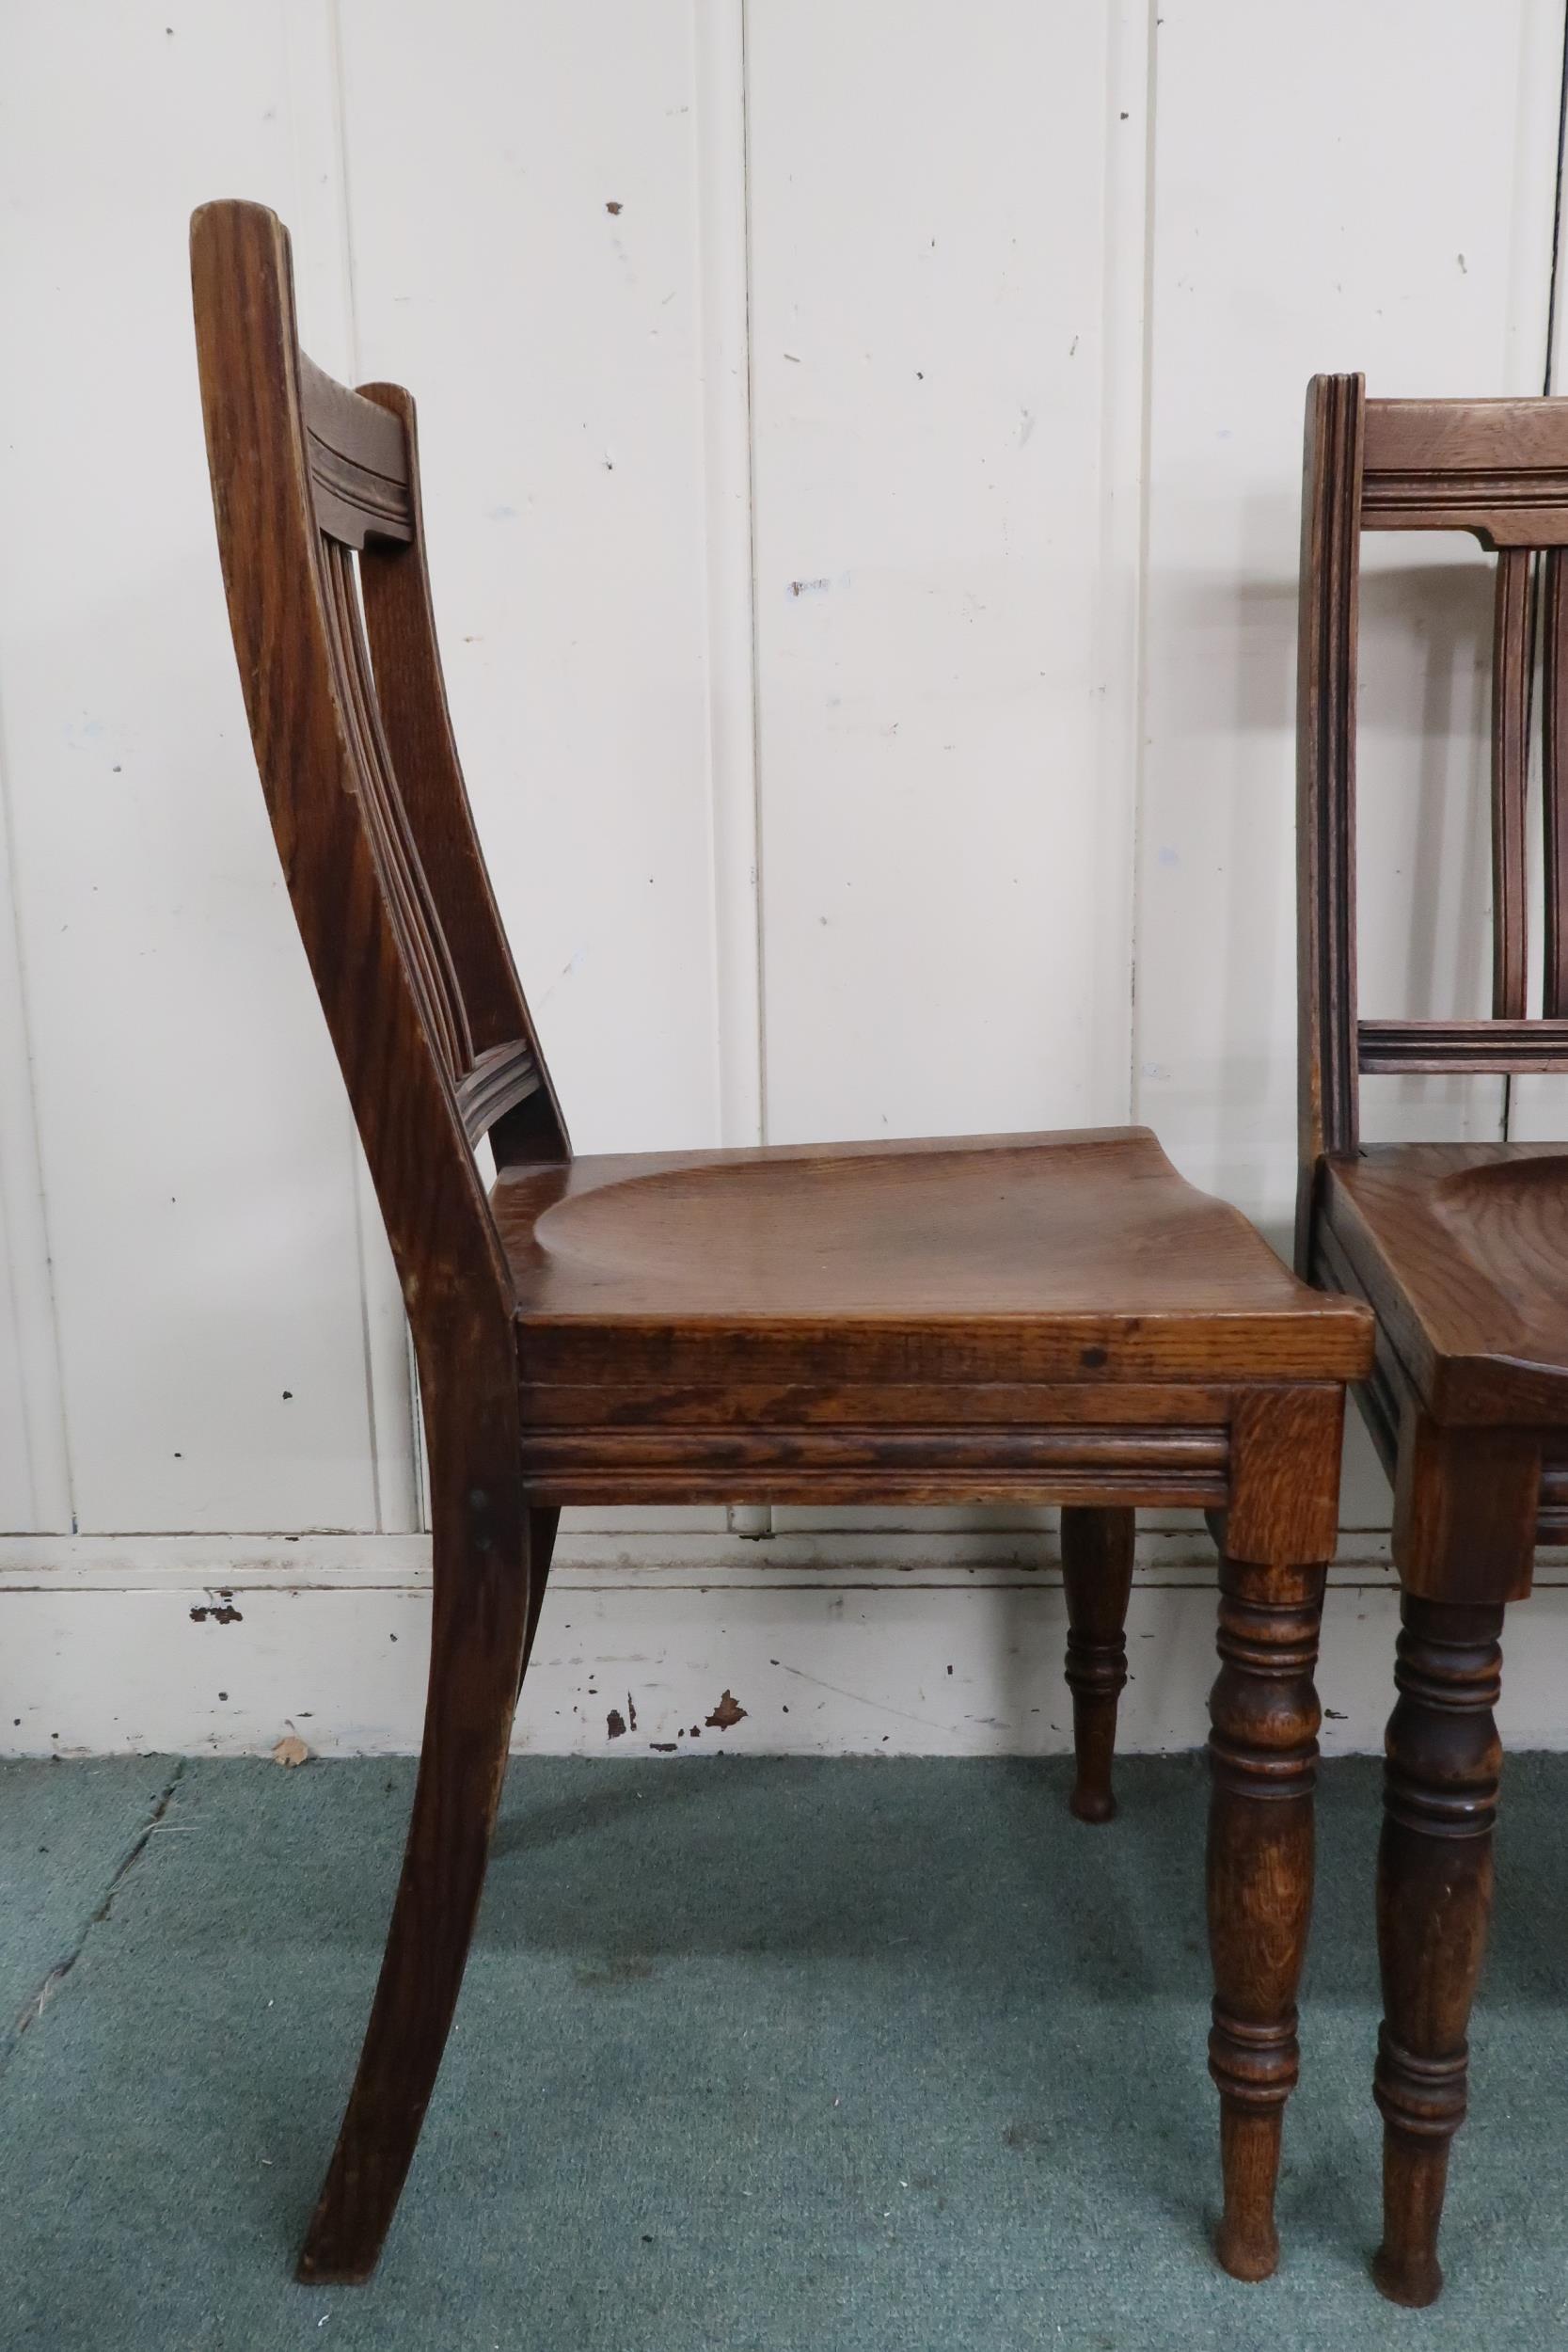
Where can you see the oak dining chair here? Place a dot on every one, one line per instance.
(1460, 1248)
(1041, 1318)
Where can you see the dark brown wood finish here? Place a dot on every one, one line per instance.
(1097, 1571)
(1326, 780)
(1395, 1049)
(1511, 682)
(1264, 1750)
(1495, 467)
(1554, 761)
(1460, 1249)
(1052, 1318)
(1434, 1866)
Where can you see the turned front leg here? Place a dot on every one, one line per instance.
(1097, 1572)
(1433, 1896)
(1263, 1753)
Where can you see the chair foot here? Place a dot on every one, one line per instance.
(481, 1621)
(327, 2266)
(1405, 2267)
(1097, 1573)
(1246, 2241)
(1433, 1899)
(1263, 1753)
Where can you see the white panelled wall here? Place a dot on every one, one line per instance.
(862, 465)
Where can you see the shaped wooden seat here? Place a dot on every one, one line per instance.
(959, 1318)
(1047, 1319)
(1058, 1255)
(1462, 1249)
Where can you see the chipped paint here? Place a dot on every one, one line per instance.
(926, 1654)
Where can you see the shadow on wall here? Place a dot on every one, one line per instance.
(1423, 835)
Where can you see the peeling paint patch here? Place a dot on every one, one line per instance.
(221, 1613)
(616, 1722)
(726, 1714)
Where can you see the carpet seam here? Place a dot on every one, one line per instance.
(49, 1983)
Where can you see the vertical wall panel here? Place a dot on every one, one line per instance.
(196, 1157)
(942, 610)
(721, 237)
(523, 199)
(35, 1468)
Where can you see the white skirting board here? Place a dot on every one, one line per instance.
(863, 1644)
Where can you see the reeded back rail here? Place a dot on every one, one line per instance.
(317, 500)
(1051, 1318)
(1460, 1249)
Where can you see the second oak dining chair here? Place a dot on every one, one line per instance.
(1049, 1318)
(1461, 1248)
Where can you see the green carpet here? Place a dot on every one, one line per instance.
(751, 2054)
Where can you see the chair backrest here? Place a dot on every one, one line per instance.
(1499, 469)
(316, 491)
